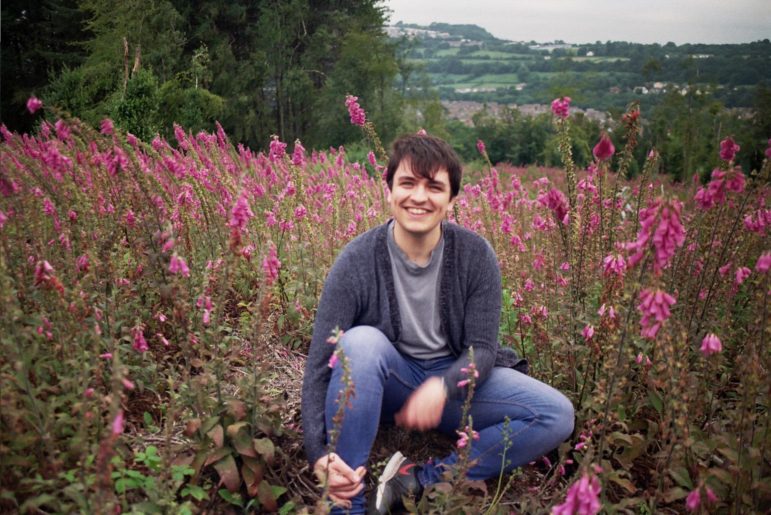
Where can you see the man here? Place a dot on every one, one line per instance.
(412, 297)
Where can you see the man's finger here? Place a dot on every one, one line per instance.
(340, 481)
(348, 492)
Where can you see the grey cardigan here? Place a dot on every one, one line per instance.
(359, 290)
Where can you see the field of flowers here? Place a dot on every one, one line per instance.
(157, 299)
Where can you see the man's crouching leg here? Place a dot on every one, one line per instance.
(367, 354)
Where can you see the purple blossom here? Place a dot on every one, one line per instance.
(711, 344)
(583, 498)
(33, 104)
(177, 265)
(240, 214)
(728, 149)
(561, 107)
(357, 114)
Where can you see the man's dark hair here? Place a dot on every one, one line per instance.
(426, 155)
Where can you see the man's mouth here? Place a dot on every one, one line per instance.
(417, 211)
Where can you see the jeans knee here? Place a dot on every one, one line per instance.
(364, 345)
(563, 418)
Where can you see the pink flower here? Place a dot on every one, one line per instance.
(271, 265)
(88, 393)
(82, 263)
(693, 500)
(604, 149)
(614, 264)
(465, 436)
(240, 214)
(357, 114)
(660, 227)
(561, 107)
(43, 272)
(481, 147)
(117, 423)
(735, 181)
(728, 149)
(742, 273)
(107, 127)
(106, 355)
(298, 155)
(654, 306)
(33, 104)
(177, 265)
(300, 212)
(565, 266)
(128, 384)
(764, 262)
(277, 149)
(583, 498)
(333, 359)
(588, 332)
(139, 343)
(555, 200)
(711, 345)
(711, 497)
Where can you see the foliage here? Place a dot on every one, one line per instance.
(260, 68)
(154, 295)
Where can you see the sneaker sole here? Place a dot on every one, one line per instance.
(391, 469)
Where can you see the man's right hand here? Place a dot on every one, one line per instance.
(344, 482)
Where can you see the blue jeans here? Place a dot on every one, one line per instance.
(540, 417)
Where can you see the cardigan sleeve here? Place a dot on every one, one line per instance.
(338, 308)
(481, 319)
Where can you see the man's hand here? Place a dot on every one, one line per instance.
(344, 482)
(423, 409)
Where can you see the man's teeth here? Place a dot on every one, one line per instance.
(417, 211)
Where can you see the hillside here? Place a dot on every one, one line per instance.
(467, 63)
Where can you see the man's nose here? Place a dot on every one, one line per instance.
(419, 193)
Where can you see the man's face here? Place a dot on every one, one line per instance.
(418, 204)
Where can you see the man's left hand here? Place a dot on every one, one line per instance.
(423, 409)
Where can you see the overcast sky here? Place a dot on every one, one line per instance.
(587, 21)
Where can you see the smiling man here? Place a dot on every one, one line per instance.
(413, 296)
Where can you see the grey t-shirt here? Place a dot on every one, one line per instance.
(417, 292)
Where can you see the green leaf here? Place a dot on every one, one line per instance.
(278, 491)
(655, 401)
(209, 424)
(265, 447)
(623, 483)
(36, 502)
(243, 444)
(228, 472)
(217, 434)
(287, 508)
(674, 494)
(232, 498)
(195, 491)
(681, 477)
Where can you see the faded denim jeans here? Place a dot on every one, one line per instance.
(540, 417)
